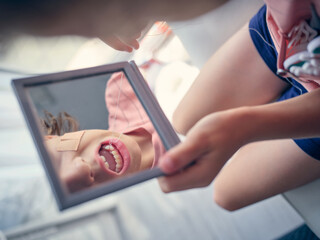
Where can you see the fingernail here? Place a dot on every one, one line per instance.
(136, 47)
(166, 164)
(164, 187)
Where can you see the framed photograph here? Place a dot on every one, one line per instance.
(97, 130)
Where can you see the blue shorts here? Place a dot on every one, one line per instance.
(311, 146)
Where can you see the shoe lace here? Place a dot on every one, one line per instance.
(300, 34)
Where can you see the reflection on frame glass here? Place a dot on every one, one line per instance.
(95, 129)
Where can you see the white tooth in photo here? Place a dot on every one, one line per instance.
(107, 147)
(119, 162)
(103, 158)
(106, 164)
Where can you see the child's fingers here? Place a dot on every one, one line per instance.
(180, 156)
(195, 176)
(131, 42)
(117, 44)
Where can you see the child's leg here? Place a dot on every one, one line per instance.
(263, 169)
(234, 76)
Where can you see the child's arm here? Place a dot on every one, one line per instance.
(120, 24)
(215, 138)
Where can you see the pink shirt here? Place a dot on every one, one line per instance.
(126, 114)
(287, 13)
(282, 16)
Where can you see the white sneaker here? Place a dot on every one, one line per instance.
(297, 53)
(314, 47)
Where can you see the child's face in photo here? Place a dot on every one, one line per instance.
(86, 158)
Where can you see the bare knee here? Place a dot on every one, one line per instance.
(225, 198)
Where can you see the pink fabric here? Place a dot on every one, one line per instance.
(282, 16)
(287, 13)
(130, 115)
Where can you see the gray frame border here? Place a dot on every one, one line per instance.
(148, 101)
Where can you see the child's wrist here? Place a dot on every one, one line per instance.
(246, 120)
